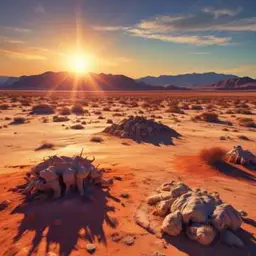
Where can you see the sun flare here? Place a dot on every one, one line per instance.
(79, 63)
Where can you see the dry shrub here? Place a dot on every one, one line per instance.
(45, 145)
(42, 109)
(60, 119)
(77, 109)
(196, 107)
(175, 109)
(65, 111)
(4, 106)
(243, 111)
(212, 155)
(106, 109)
(77, 127)
(18, 120)
(246, 122)
(97, 139)
(208, 117)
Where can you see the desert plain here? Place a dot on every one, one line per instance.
(105, 218)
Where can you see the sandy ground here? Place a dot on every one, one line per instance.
(66, 225)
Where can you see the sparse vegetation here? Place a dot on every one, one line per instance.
(4, 106)
(77, 109)
(77, 127)
(65, 111)
(60, 119)
(97, 139)
(42, 109)
(18, 120)
(246, 122)
(208, 117)
(212, 155)
(45, 145)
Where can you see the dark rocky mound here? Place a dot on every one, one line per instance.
(141, 129)
(243, 83)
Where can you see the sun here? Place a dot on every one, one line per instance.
(79, 63)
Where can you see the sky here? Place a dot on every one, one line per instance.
(134, 38)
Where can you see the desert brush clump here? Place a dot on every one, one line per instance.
(77, 109)
(60, 119)
(246, 122)
(210, 117)
(45, 145)
(42, 109)
(97, 139)
(64, 111)
(212, 155)
(19, 120)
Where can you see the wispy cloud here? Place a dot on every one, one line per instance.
(19, 49)
(200, 53)
(22, 55)
(8, 40)
(198, 28)
(222, 12)
(18, 29)
(39, 9)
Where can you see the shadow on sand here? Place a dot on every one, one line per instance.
(65, 220)
(163, 138)
(233, 171)
(193, 248)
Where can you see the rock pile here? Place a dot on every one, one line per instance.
(202, 215)
(58, 174)
(240, 156)
(139, 128)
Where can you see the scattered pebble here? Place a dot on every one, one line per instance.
(125, 195)
(90, 248)
(4, 204)
(129, 240)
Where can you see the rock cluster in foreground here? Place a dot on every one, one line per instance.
(139, 128)
(240, 156)
(202, 215)
(61, 173)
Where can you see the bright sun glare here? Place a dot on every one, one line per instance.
(79, 64)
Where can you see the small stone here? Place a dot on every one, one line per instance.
(4, 204)
(118, 178)
(125, 195)
(129, 240)
(90, 248)
(158, 254)
(242, 213)
(116, 237)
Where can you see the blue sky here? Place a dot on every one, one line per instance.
(135, 38)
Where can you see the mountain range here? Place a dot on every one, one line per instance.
(187, 80)
(108, 82)
(68, 81)
(243, 83)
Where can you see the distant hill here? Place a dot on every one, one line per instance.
(7, 80)
(91, 81)
(243, 83)
(187, 80)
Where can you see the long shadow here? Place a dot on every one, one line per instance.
(249, 221)
(233, 171)
(66, 220)
(162, 138)
(193, 248)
